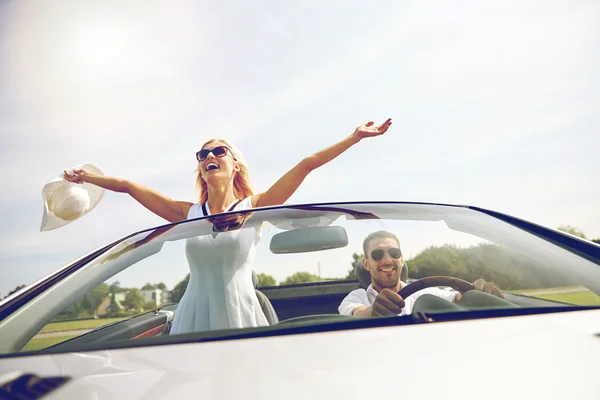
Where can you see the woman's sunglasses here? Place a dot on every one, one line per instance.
(394, 252)
(219, 151)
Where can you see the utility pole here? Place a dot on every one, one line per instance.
(319, 267)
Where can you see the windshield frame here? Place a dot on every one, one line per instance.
(583, 248)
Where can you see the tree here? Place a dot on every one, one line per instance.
(572, 230)
(87, 305)
(133, 300)
(115, 287)
(92, 300)
(149, 305)
(148, 286)
(507, 268)
(114, 307)
(266, 280)
(161, 286)
(300, 277)
(350, 275)
(70, 312)
(19, 287)
(179, 289)
(576, 232)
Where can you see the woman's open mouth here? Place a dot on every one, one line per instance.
(211, 166)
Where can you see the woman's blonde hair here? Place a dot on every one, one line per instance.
(241, 182)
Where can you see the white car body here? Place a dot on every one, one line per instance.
(547, 356)
(531, 348)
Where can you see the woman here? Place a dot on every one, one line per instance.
(220, 293)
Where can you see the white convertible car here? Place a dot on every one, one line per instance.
(95, 329)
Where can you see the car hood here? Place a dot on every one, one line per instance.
(550, 356)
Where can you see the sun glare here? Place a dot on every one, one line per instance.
(98, 49)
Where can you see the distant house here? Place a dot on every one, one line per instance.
(156, 296)
(120, 298)
(166, 297)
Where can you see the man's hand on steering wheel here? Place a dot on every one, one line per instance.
(483, 286)
(387, 303)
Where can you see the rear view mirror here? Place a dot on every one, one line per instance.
(303, 240)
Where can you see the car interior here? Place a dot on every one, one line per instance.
(315, 302)
(288, 305)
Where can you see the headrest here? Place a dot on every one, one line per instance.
(254, 279)
(364, 277)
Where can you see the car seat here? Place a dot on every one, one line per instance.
(265, 303)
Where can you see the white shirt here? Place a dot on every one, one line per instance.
(362, 297)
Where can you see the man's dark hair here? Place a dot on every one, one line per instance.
(377, 235)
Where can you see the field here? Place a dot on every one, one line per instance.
(577, 295)
(50, 334)
(82, 324)
(42, 343)
(579, 298)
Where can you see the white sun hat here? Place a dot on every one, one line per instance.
(65, 201)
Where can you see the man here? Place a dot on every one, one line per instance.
(383, 259)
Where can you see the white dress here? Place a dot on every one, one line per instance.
(220, 293)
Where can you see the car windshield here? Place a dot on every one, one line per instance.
(265, 268)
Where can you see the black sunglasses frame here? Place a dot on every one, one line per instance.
(207, 152)
(389, 251)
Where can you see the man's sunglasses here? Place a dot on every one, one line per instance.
(219, 151)
(394, 252)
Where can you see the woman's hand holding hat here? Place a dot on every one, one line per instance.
(75, 175)
(65, 202)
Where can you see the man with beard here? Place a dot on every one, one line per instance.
(383, 259)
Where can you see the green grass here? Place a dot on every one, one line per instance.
(83, 324)
(580, 295)
(42, 343)
(586, 298)
(536, 290)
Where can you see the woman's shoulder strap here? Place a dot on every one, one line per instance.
(244, 204)
(234, 205)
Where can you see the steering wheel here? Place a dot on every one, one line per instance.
(455, 283)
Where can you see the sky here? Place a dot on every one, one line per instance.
(495, 104)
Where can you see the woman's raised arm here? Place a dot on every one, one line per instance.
(159, 204)
(285, 187)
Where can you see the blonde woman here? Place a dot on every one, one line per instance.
(220, 293)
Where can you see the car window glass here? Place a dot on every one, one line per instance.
(135, 289)
(120, 298)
